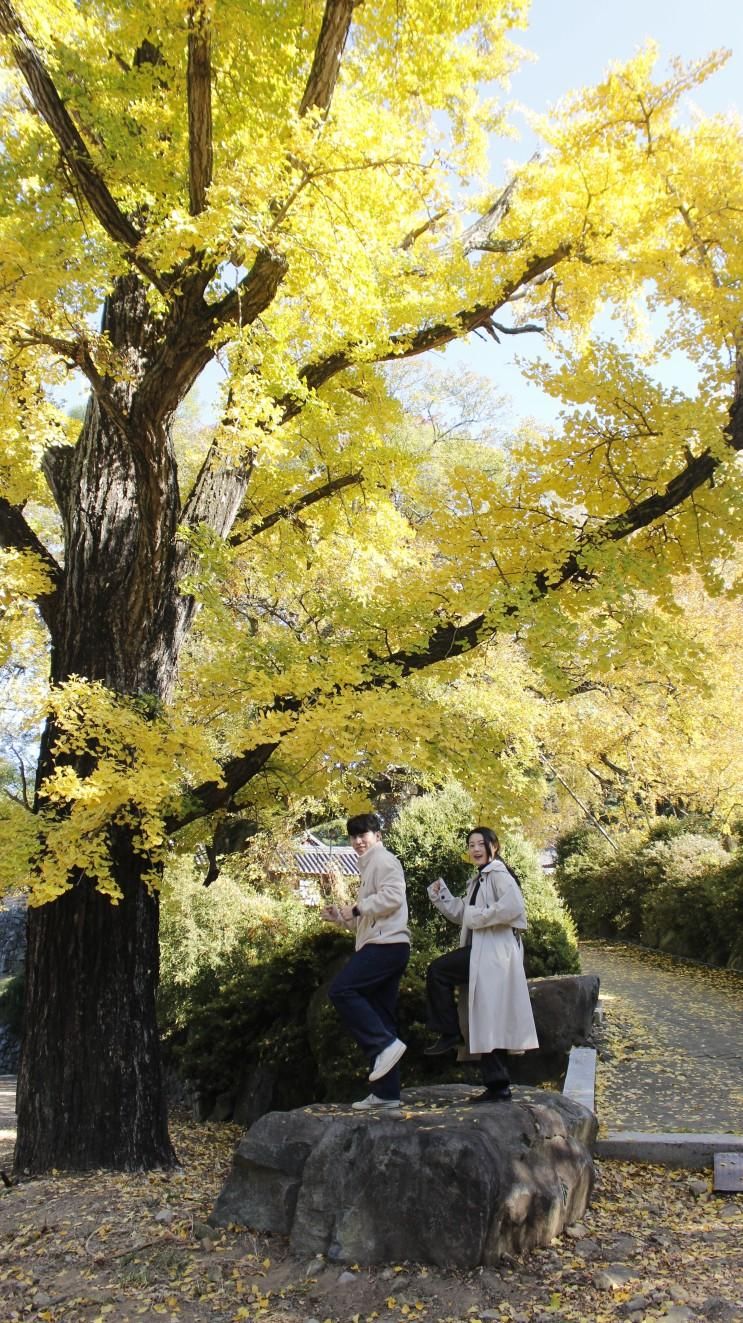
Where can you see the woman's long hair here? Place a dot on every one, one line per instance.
(492, 845)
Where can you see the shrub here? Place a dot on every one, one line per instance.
(11, 1003)
(673, 888)
(428, 838)
(551, 940)
(603, 888)
(209, 933)
(683, 909)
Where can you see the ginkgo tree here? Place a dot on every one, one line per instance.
(300, 190)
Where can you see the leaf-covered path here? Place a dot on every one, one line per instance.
(672, 1051)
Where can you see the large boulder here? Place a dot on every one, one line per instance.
(439, 1182)
(563, 1007)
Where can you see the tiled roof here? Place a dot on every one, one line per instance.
(310, 857)
(315, 861)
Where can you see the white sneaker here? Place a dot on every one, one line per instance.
(366, 1104)
(388, 1057)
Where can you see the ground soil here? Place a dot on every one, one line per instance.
(654, 1243)
(106, 1248)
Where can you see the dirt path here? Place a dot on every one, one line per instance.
(7, 1119)
(673, 1042)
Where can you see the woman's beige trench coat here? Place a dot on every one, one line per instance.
(497, 1012)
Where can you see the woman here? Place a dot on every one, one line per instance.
(496, 1017)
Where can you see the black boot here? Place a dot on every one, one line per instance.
(492, 1096)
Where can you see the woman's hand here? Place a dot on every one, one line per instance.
(437, 888)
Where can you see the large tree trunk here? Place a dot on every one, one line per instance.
(90, 1089)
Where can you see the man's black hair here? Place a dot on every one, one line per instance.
(362, 822)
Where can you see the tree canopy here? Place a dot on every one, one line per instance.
(330, 582)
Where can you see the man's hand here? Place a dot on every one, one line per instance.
(331, 914)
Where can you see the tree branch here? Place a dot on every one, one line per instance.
(199, 83)
(326, 64)
(697, 471)
(15, 533)
(290, 511)
(77, 354)
(51, 108)
(403, 345)
(253, 294)
(212, 795)
(451, 640)
(479, 234)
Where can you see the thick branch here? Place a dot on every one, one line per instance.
(77, 354)
(697, 471)
(254, 293)
(291, 510)
(451, 640)
(16, 534)
(47, 101)
(199, 107)
(427, 337)
(326, 64)
(213, 795)
(479, 234)
(53, 111)
(57, 466)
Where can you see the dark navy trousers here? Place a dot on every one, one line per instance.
(364, 994)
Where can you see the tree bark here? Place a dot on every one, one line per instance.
(90, 1090)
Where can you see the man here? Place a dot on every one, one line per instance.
(365, 991)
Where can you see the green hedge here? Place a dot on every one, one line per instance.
(672, 888)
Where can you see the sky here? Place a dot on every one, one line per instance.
(574, 42)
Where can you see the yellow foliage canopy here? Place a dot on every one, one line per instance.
(302, 190)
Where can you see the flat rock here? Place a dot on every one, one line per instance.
(439, 1182)
(613, 1277)
(563, 1007)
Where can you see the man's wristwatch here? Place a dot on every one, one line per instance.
(356, 912)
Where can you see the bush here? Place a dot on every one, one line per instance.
(673, 889)
(258, 1014)
(207, 934)
(551, 940)
(683, 910)
(428, 838)
(12, 990)
(603, 888)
